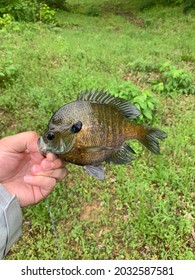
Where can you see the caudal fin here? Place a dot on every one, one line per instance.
(150, 139)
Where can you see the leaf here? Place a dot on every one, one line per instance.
(147, 114)
(138, 106)
(150, 105)
(138, 99)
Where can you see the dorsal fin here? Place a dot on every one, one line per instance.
(101, 97)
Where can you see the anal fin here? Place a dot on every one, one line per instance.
(95, 171)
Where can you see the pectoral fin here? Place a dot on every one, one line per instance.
(95, 171)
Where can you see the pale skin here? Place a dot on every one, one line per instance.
(25, 172)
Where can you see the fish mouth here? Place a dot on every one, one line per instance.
(45, 148)
(42, 146)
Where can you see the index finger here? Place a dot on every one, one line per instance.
(20, 142)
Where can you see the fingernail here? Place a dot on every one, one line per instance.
(28, 178)
(46, 164)
(36, 168)
(51, 157)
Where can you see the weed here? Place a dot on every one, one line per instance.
(20, 10)
(173, 80)
(145, 101)
(142, 66)
(5, 21)
(92, 11)
(8, 69)
(46, 14)
(57, 4)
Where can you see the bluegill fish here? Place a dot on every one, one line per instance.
(94, 129)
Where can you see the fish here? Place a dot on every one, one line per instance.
(95, 128)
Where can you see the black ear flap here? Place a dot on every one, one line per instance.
(76, 127)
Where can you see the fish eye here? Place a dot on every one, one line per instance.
(76, 127)
(50, 136)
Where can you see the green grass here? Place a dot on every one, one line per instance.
(144, 210)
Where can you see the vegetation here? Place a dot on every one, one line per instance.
(144, 100)
(173, 80)
(142, 210)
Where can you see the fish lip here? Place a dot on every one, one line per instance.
(42, 146)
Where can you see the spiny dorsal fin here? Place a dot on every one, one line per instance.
(101, 97)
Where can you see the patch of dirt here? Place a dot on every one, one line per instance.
(91, 211)
(123, 11)
(130, 18)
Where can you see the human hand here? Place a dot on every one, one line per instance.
(24, 171)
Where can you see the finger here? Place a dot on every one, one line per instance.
(48, 165)
(51, 157)
(21, 142)
(47, 183)
(58, 174)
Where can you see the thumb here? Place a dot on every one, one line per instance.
(20, 142)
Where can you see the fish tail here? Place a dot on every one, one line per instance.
(150, 138)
